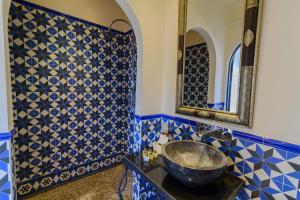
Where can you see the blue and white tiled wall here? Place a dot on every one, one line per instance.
(73, 96)
(196, 76)
(6, 177)
(271, 169)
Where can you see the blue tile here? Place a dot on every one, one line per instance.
(168, 117)
(288, 183)
(287, 188)
(282, 145)
(291, 155)
(295, 175)
(193, 123)
(279, 179)
(279, 184)
(80, 108)
(271, 191)
(145, 117)
(181, 120)
(5, 165)
(247, 136)
(5, 136)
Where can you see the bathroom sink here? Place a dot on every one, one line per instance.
(193, 163)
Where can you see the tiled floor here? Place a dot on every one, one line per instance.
(101, 186)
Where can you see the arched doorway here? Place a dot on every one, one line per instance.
(42, 79)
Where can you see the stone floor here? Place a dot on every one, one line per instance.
(101, 186)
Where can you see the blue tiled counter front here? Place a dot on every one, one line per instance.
(270, 168)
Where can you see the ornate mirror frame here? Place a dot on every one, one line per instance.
(250, 44)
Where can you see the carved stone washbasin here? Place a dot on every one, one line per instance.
(193, 163)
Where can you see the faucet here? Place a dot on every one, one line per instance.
(205, 131)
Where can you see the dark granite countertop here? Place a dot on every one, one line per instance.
(226, 188)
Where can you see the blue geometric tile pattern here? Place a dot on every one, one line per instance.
(196, 72)
(150, 131)
(134, 138)
(5, 170)
(13, 166)
(130, 90)
(73, 96)
(269, 172)
(142, 190)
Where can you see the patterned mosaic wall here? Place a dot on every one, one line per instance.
(5, 169)
(196, 74)
(135, 139)
(130, 90)
(271, 170)
(73, 95)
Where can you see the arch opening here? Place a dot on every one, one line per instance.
(212, 61)
(57, 67)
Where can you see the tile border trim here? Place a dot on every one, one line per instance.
(5, 136)
(246, 136)
(72, 178)
(70, 17)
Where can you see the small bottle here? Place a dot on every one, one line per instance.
(151, 155)
(145, 155)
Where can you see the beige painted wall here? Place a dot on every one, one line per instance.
(277, 99)
(151, 43)
(210, 19)
(101, 12)
(277, 105)
(193, 38)
(234, 22)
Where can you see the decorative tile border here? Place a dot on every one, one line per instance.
(270, 168)
(247, 136)
(48, 182)
(269, 142)
(36, 6)
(5, 136)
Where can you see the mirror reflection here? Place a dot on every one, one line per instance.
(213, 54)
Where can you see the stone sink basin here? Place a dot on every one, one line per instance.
(193, 163)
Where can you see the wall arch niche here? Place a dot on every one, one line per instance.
(6, 119)
(212, 60)
(139, 41)
(7, 122)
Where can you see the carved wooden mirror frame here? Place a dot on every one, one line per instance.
(250, 44)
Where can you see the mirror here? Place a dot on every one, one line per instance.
(218, 47)
(212, 81)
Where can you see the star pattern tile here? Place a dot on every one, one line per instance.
(5, 165)
(269, 172)
(196, 73)
(73, 92)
